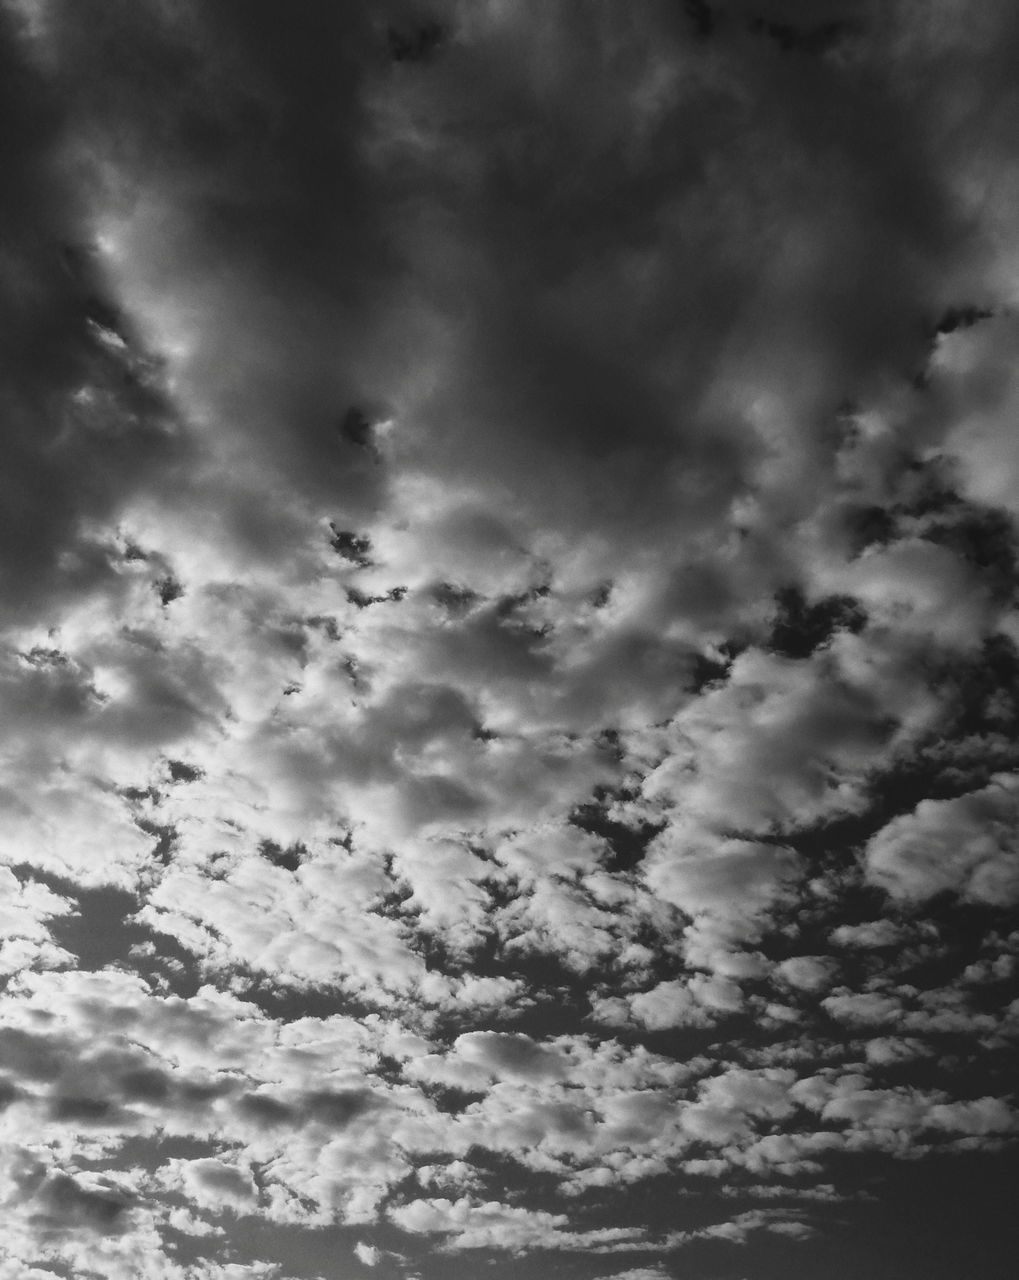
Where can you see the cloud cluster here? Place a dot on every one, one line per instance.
(508, 586)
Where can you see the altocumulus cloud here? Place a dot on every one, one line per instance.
(508, 638)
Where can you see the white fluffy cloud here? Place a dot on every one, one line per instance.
(966, 845)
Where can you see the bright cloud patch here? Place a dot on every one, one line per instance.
(968, 845)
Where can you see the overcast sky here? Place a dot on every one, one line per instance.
(509, 654)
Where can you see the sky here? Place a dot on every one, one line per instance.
(509, 646)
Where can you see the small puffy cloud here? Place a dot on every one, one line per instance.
(82, 832)
(456, 1175)
(806, 973)
(864, 1008)
(728, 1104)
(727, 885)
(508, 1055)
(26, 908)
(782, 743)
(639, 1273)
(447, 882)
(923, 588)
(887, 1050)
(211, 1184)
(979, 1116)
(308, 927)
(190, 1224)
(777, 1221)
(872, 935)
(874, 1113)
(669, 1004)
(705, 874)
(966, 846)
(977, 393)
(367, 1253)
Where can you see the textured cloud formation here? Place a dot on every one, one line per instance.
(508, 638)
(967, 844)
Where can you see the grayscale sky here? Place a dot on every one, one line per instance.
(509, 647)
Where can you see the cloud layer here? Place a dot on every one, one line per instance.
(508, 632)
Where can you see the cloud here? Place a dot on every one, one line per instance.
(669, 1004)
(639, 1273)
(507, 552)
(470, 1224)
(781, 743)
(866, 1008)
(873, 934)
(975, 395)
(211, 1184)
(25, 939)
(367, 1253)
(726, 1103)
(965, 845)
(512, 1056)
(467, 1224)
(890, 1049)
(727, 886)
(807, 973)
